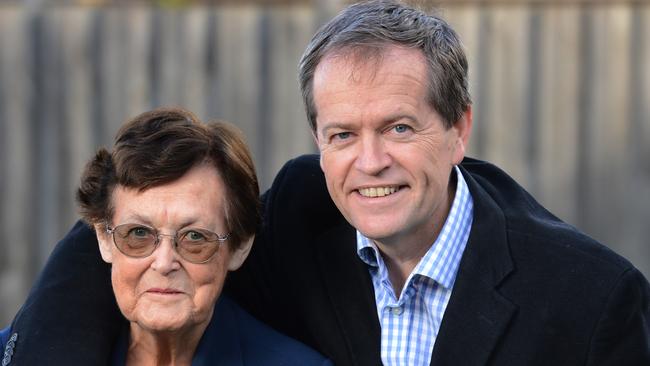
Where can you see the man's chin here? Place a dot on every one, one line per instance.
(378, 233)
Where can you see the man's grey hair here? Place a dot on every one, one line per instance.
(366, 29)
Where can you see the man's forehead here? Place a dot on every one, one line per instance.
(346, 88)
(354, 65)
(368, 57)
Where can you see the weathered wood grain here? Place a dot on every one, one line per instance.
(561, 95)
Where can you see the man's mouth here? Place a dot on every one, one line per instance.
(377, 191)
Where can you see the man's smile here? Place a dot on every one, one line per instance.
(378, 191)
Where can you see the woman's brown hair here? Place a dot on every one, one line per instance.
(159, 147)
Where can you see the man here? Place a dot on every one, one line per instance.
(403, 252)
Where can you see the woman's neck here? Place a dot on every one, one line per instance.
(147, 347)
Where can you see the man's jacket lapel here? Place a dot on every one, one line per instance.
(477, 315)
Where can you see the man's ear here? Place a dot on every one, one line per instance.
(463, 128)
(238, 257)
(105, 242)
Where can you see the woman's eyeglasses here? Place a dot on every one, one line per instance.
(192, 244)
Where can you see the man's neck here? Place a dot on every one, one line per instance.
(401, 262)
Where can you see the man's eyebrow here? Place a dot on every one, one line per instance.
(336, 125)
(399, 117)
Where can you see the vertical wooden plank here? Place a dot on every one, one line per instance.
(171, 56)
(15, 241)
(77, 134)
(504, 123)
(123, 65)
(289, 132)
(641, 47)
(465, 20)
(48, 107)
(238, 71)
(168, 55)
(558, 111)
(264, 124)
(481, 87)
(639, 189)
(636, 186)
(640, 85)
(608, 124)
(211, 72)
(137, 19)
(531, 118)
(114, 38)
(193, 85)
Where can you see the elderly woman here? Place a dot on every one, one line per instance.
(174, 208)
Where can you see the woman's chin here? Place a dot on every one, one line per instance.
(163, 322)
(163, 317)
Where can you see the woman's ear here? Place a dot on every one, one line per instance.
(105, 242)
(238, 257)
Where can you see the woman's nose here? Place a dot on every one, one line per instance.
(165, 257)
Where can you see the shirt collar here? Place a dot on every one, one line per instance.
(441, 261)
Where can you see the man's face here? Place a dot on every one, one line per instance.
(386, 154)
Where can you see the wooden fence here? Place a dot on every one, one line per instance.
(561, 101)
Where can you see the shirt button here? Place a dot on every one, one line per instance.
(398, 310)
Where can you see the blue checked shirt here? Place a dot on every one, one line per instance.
(410, 323)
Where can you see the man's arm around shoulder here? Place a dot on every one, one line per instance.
(70, 315)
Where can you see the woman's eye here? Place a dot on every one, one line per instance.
(140, 232)
(194, 236)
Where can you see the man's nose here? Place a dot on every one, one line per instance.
(373, 156)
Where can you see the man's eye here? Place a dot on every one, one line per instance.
(401, 128)
(341, 135)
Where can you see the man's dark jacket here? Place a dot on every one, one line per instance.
(531, 290)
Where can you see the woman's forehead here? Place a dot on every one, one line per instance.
(197, 196)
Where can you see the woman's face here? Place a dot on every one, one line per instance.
(164, 292)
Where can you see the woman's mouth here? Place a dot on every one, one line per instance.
(163, 291)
